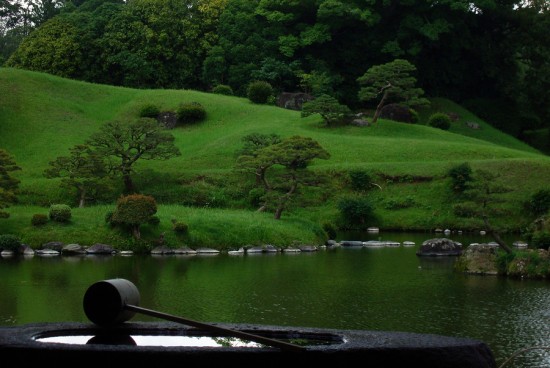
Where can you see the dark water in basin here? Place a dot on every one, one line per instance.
(386, 289)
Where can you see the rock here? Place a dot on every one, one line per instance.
(291, 250)
(440, 247)
(482, 232)
(472, 125)
(373, 230)
(520, 244)
(47, 252)
(391, 244)
(168, 119)
(236, 252)
(308, 248)
(162, 250)
(453, 116)
(207, 251)
(55, 245)
(360, 122)
(99, 248)
(373, 244)
(185, 250)
(479, 259)
(293, 101)
(270, 248)
(126, 253)
(7, 253)
(409, 244)
(73, 249)
(25, 250)
(351, 243)
(332, 243)
(257, 249)
(397, 112)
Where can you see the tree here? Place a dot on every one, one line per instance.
(8, 184)
(82, 170)
(293, 155)
(391, 81)
(253, 143)
(328, 107)
(133, 210)
(124, 143)
(484, 192)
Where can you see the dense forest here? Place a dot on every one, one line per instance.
(491, 56)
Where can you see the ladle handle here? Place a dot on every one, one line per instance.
(235, 333)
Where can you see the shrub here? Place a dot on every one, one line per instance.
(190, 112)
(393, 204)
(356, 211)
(415, 118)
(39, 219)
(460, 175)
(180, 227)
(259, 92)
(154, 220)
(223, 89)
(330, 229)
(134, 210)
(465, 210)
(541, 239)
(149, 111)
(360, 180)
(9, 242)
(539, 204)
(60, 212)
(440, 120)
(109, 216)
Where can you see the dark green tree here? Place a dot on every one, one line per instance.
(293, 155)
(134, 210)
(392, 81)
(328, 107)
(83, 170)
(124, 143)
(8, 184)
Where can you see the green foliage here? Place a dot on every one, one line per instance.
(440, 120)
(153, 220)
(149, 111)
(356, 212)
(8, 184)
(60, 213)
(259, 92)
(39, 219)
(223, 89)
(128, 142)
(415, 117)
(360, 180)
(328, 107)
(541, 239)
(330, 229)
(9, 242)
(461, 176)
(190, 113)
(134, 210)
(255, 141)
(539, 203)
(397, 204)
(180, 227)
(391, 81)
(466, 210)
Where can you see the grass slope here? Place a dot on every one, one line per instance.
(42, 116)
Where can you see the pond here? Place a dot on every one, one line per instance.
(384, 289)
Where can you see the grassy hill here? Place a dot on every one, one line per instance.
(42, 116)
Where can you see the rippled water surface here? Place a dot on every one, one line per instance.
(386, 289)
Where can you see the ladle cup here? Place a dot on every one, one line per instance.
(110, 302)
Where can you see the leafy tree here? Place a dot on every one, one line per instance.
(461, 176)
(391, 81)
(252, 144)
(293, 155)
(8, 184)
(124, 143)
(82, 170)
(328, 107)
(134, 210)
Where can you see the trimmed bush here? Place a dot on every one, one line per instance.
(440, 120)
(60, 213)
(356, 212)
(259, 92)
(541, 240)
(190, 112)
(461, 176)
(149, 111)
(360, 180)
(9, 242)
(39, 219)
(180, 227)
(330, 229)
(539, 204)
(223, 89)
(154, 220)
(134, 210)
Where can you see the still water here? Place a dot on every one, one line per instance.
(385, 289)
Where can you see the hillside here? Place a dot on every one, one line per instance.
(42, 116)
